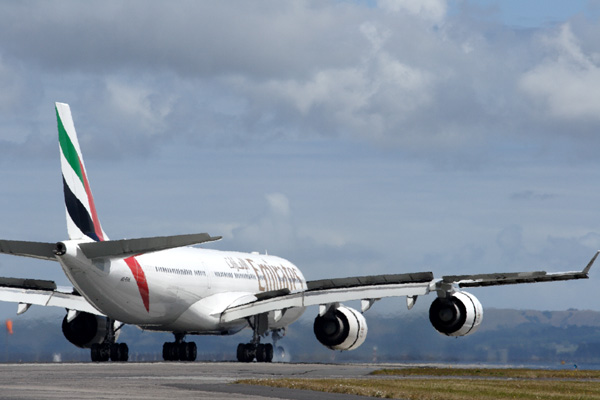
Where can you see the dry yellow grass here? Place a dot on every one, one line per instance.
(425, 384)
(519, 373)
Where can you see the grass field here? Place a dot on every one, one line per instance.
(457, 384)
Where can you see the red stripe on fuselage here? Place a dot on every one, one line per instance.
(140, 278)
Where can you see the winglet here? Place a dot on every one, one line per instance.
(587, 268)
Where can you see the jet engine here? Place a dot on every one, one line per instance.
(458, 315)
(342, 328)
(85, 329)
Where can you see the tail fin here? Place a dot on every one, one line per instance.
(82, 218)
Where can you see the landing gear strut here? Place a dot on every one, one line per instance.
(108, 349)
(247, 352)
(180, 350)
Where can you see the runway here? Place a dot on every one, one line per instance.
(166, 380)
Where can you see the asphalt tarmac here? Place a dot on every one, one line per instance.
(166, 380)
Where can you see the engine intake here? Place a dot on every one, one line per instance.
(460, 315)
(341, 329)
(85, 329)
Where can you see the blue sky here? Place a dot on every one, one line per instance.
(534, 13)
(352, 138)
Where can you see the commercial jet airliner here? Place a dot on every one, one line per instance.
(165, 284)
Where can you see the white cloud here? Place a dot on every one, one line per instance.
(272, 231)
(566, 82)
(135, 102)
(279, 204)
(365, 99)
(434, 10)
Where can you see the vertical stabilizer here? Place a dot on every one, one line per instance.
(82, 218)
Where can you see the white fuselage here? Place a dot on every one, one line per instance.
(181, 290)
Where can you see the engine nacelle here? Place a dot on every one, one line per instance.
(460, 315)
(341, 329)
(85, 329)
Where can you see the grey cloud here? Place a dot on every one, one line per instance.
(455, 90)
(266, 38)
(564, 82)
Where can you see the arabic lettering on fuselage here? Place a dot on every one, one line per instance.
(269, 277)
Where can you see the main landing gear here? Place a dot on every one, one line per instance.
(108, 349)
(180, 350)
(247, 352)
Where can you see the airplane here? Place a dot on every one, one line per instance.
(165, 284)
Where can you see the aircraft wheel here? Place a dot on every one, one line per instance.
(241, 349)
(268, 352)
(123, 352)
(104, 352)
(182, 351)
(168, 351)
(250, 352)
(261, 354)
(174, 353)
(246, 352)
(115, 352)
(192, 351)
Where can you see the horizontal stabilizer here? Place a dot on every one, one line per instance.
(45, 251)
(131, 247)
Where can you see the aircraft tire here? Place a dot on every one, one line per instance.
(268, 352)
(123, 352)
(183, 353)
(246, 352)
(168, 351)
(250, 352)
(115, 352)
(240, 352)
(103, 353)
(261, 354)
(191, 351)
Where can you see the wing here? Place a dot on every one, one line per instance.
(512, 278)
(368, 289)
(328, 291)
(27, 292)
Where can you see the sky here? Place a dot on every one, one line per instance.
(350, 137)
